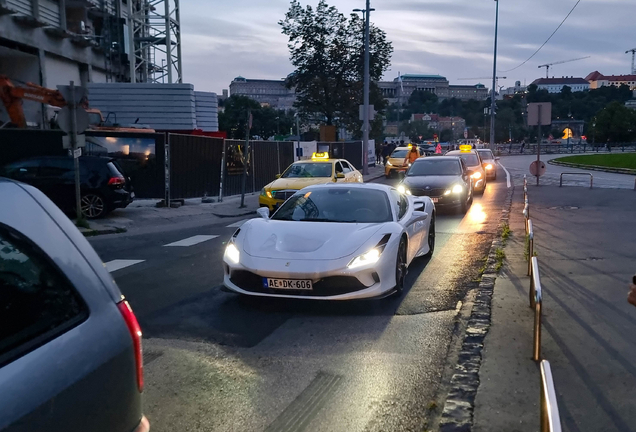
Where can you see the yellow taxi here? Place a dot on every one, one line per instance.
(319, 170)
(474, 164)
(395, 163)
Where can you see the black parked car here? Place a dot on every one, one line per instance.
(103, 184)
(445, 179)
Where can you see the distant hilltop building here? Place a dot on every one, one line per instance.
(271, 93)
(598, 80)
(401, 88)
(555, 85)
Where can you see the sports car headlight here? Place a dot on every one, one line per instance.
(232, 253)
(370, 257)
(403, 190)
(476, 175)
(489, 167)
(266, 193)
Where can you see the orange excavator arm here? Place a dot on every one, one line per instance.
(12, 97)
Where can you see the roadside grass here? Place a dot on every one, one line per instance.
(82, 223)
(618, 160)
(505, 232)
(500, 255)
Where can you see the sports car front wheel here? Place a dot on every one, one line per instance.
(400, 267)
(431, 237)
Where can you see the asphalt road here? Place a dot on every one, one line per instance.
(215, 361)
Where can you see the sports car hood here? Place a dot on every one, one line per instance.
(435, 182)
(291, 240)
(296, 183)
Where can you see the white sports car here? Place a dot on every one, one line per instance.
(331, 242)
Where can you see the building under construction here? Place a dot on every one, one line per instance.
(53, 42)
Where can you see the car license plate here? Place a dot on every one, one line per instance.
(435, 200)
(289, 284)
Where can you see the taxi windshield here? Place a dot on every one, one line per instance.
(426, 167)
(486, 154)
(471, 159)
(399, 153)
(343, 205)
(308, 170)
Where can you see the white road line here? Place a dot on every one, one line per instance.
(191, 241)
(507, 175)
(115, 265)
(237, 224)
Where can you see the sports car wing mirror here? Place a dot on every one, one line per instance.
(419, 206)
(263, 212)
(497, 158)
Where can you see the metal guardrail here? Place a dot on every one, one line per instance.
(530, 246)
(573, 173)
(536, 303)
(550, 418)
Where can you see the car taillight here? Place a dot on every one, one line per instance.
(116, 181)
(135, 333)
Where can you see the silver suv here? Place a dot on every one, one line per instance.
(70, 345)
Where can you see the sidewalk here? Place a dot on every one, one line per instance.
(585, 244)
(145, 212)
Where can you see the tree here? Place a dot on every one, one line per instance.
(233, 119)
(327, 52)
(615, 123)
(446, 135)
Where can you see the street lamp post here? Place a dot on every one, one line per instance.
(365, 115)
(494, 83)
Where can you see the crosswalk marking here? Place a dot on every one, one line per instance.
(115, 265)
(237, 224)
(191, 241)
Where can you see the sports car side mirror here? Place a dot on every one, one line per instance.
(497, 158)
(263, 212)
(419, 206)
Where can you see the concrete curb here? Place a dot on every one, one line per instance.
(458, 412)
(593, 167)
(245, 213)
(90, 232)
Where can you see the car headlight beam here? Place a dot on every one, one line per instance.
(489, 167)
(371, 257)
(232, 253)
(403, 190)
(457, 189)
(476, 175)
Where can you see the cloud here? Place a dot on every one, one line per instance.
(223, 39)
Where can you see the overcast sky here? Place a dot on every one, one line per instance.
(223, 39)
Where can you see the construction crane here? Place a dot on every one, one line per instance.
(547, 66)
(633, 51)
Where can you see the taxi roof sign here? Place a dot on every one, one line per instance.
(320, 155)
(466, 148)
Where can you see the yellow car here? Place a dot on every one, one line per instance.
(395, 163)
(319, 170)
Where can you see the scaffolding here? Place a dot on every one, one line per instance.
(154, 38)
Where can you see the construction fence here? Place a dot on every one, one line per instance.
(176, 166)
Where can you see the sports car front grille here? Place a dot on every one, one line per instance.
(283, 194)
(427, 192)
(325, 287)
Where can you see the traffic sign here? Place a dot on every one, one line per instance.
(540, 113)
(66, 141)
(372, 112)
(65, 122)
(79, 93)
(533, 168)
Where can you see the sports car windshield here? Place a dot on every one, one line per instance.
(344, 205)
(435, 167)
(308, 170)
